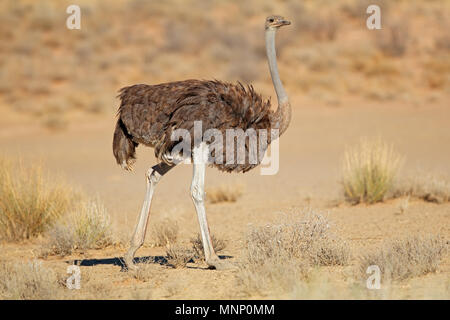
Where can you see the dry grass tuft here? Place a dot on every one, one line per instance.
(393, 39)
(141, 294)
(33, 281)
(166, 232)
(425, 186)
(27, 281)
(278, 256)
(85, 227)
(407, 257)
(178, 256)
(29, 201)
(437, 70)
(145, 271)
(369, 170)
(443, 42)
(224, 193)
(322, 27)
(356, 9)
(197, 246)
(55, 121)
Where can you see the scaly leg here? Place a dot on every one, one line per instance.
(153, 176)
(198, 195)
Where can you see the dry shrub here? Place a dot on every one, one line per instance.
(323, 285)
(393, 39)
(166, 232)
(318, 60)
(197, 246)
(356, 9)
(369, 170)
(322, 27)
(443, 42)
(278, 256)
(145, 271)
(27, 281)
(92, 286)
(55, 121)
(244, 68)
(375, 65)
(176, 37)
(178, 256)
(241, 53)
(173, 288)
(425, 186)
(437, 71)
(224, 193)
(407, 257)
(33, 281)
(315, 23)
(141, 294)
(29, 200)
(44, 17)
(85, 227)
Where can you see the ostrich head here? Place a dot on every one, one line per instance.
(274, 22)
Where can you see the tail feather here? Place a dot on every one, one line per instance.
(124, 148)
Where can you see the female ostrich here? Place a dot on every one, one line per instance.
(149, 114)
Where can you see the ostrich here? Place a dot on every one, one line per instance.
(148, 114)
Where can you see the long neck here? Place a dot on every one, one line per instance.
(282, 116)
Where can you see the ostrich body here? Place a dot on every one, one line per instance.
(149, 114)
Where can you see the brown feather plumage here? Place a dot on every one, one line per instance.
(149, 113)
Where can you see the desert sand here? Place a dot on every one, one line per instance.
(342, 87)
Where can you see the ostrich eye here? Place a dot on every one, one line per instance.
(271, 20)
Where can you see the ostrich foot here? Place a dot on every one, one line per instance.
(129, 264)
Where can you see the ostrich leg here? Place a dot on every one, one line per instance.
(153, 176)
(198, 196)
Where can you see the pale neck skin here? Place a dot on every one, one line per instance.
(282, 116)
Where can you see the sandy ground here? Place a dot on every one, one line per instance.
(310, 153)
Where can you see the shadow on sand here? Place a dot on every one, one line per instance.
(118, 261)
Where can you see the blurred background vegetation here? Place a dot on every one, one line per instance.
(50, 72)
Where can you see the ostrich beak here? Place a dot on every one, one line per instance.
(284, 23)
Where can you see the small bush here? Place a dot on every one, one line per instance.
(166, 232)
(33, 281)
(245, 67)
(425, 186)
(407, 257)
(443, 42)
(145, 271)
(27, 281)
(29, 201)
(393, 39)
(197, 246)
(357, 9)
(278, 256)
(224, 193)
(369, 170)
(86, 227)
(437, 71)
(55, 121)
(307, 236)
(323, 27)
(178, 256)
